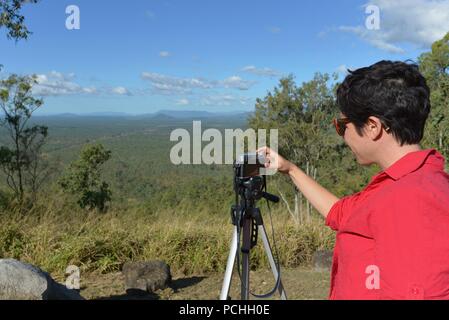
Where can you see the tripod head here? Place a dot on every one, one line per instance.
(249, 183)
(252, 189)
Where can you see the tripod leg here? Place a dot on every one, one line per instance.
(246, 248)
(229, 267)
(273, 265)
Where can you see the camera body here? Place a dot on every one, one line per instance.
(249, 164)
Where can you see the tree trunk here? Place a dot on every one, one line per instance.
(308, 203)
(18, 164)
(292, 213)
(297, 217)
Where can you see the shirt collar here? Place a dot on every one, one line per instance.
(413, 161)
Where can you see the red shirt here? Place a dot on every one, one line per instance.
(393, 237)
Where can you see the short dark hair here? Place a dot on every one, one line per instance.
(395, 92)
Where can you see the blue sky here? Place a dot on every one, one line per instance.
(140, 56)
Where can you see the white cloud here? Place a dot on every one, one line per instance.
(90, 90)
(237, 83)
(375, 38)
(262, 72)
(225, 100)
(182, 102)
(163, 84)
(164, 54)
(121, 91)
(417, 22)
(58, 84)
(172, 85)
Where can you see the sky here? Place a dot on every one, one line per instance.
(141, 56)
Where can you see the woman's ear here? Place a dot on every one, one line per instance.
(374, 128)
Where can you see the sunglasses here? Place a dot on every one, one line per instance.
(340, 125)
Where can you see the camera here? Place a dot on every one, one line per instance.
(249, 164)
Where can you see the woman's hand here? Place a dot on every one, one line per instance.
(275, 161)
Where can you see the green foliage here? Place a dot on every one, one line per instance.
(435, 67)
(83, 178)
(21, 159)
(12, 20)
(435, 64)
(12, 240)
(5, 200)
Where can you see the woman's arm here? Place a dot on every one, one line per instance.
(321, 199)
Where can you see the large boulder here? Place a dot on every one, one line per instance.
(23, 281)
(146, 276)
(322, 260)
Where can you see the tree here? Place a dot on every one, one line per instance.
(435, 67)
(12, 20)
(83, 178)
(21, 161)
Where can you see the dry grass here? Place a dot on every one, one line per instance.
(190, 242)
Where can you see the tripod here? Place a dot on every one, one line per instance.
(247, 219)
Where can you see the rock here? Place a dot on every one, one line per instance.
(322, 260)
(146, 276)
(23, 281)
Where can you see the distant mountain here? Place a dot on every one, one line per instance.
(59, 115)
(77, 115)
(160, 115)
(185, 114)
(176, 114)
(108, 114)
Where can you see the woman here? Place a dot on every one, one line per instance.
(393, 236)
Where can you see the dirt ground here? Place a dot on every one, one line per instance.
(300, 284)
